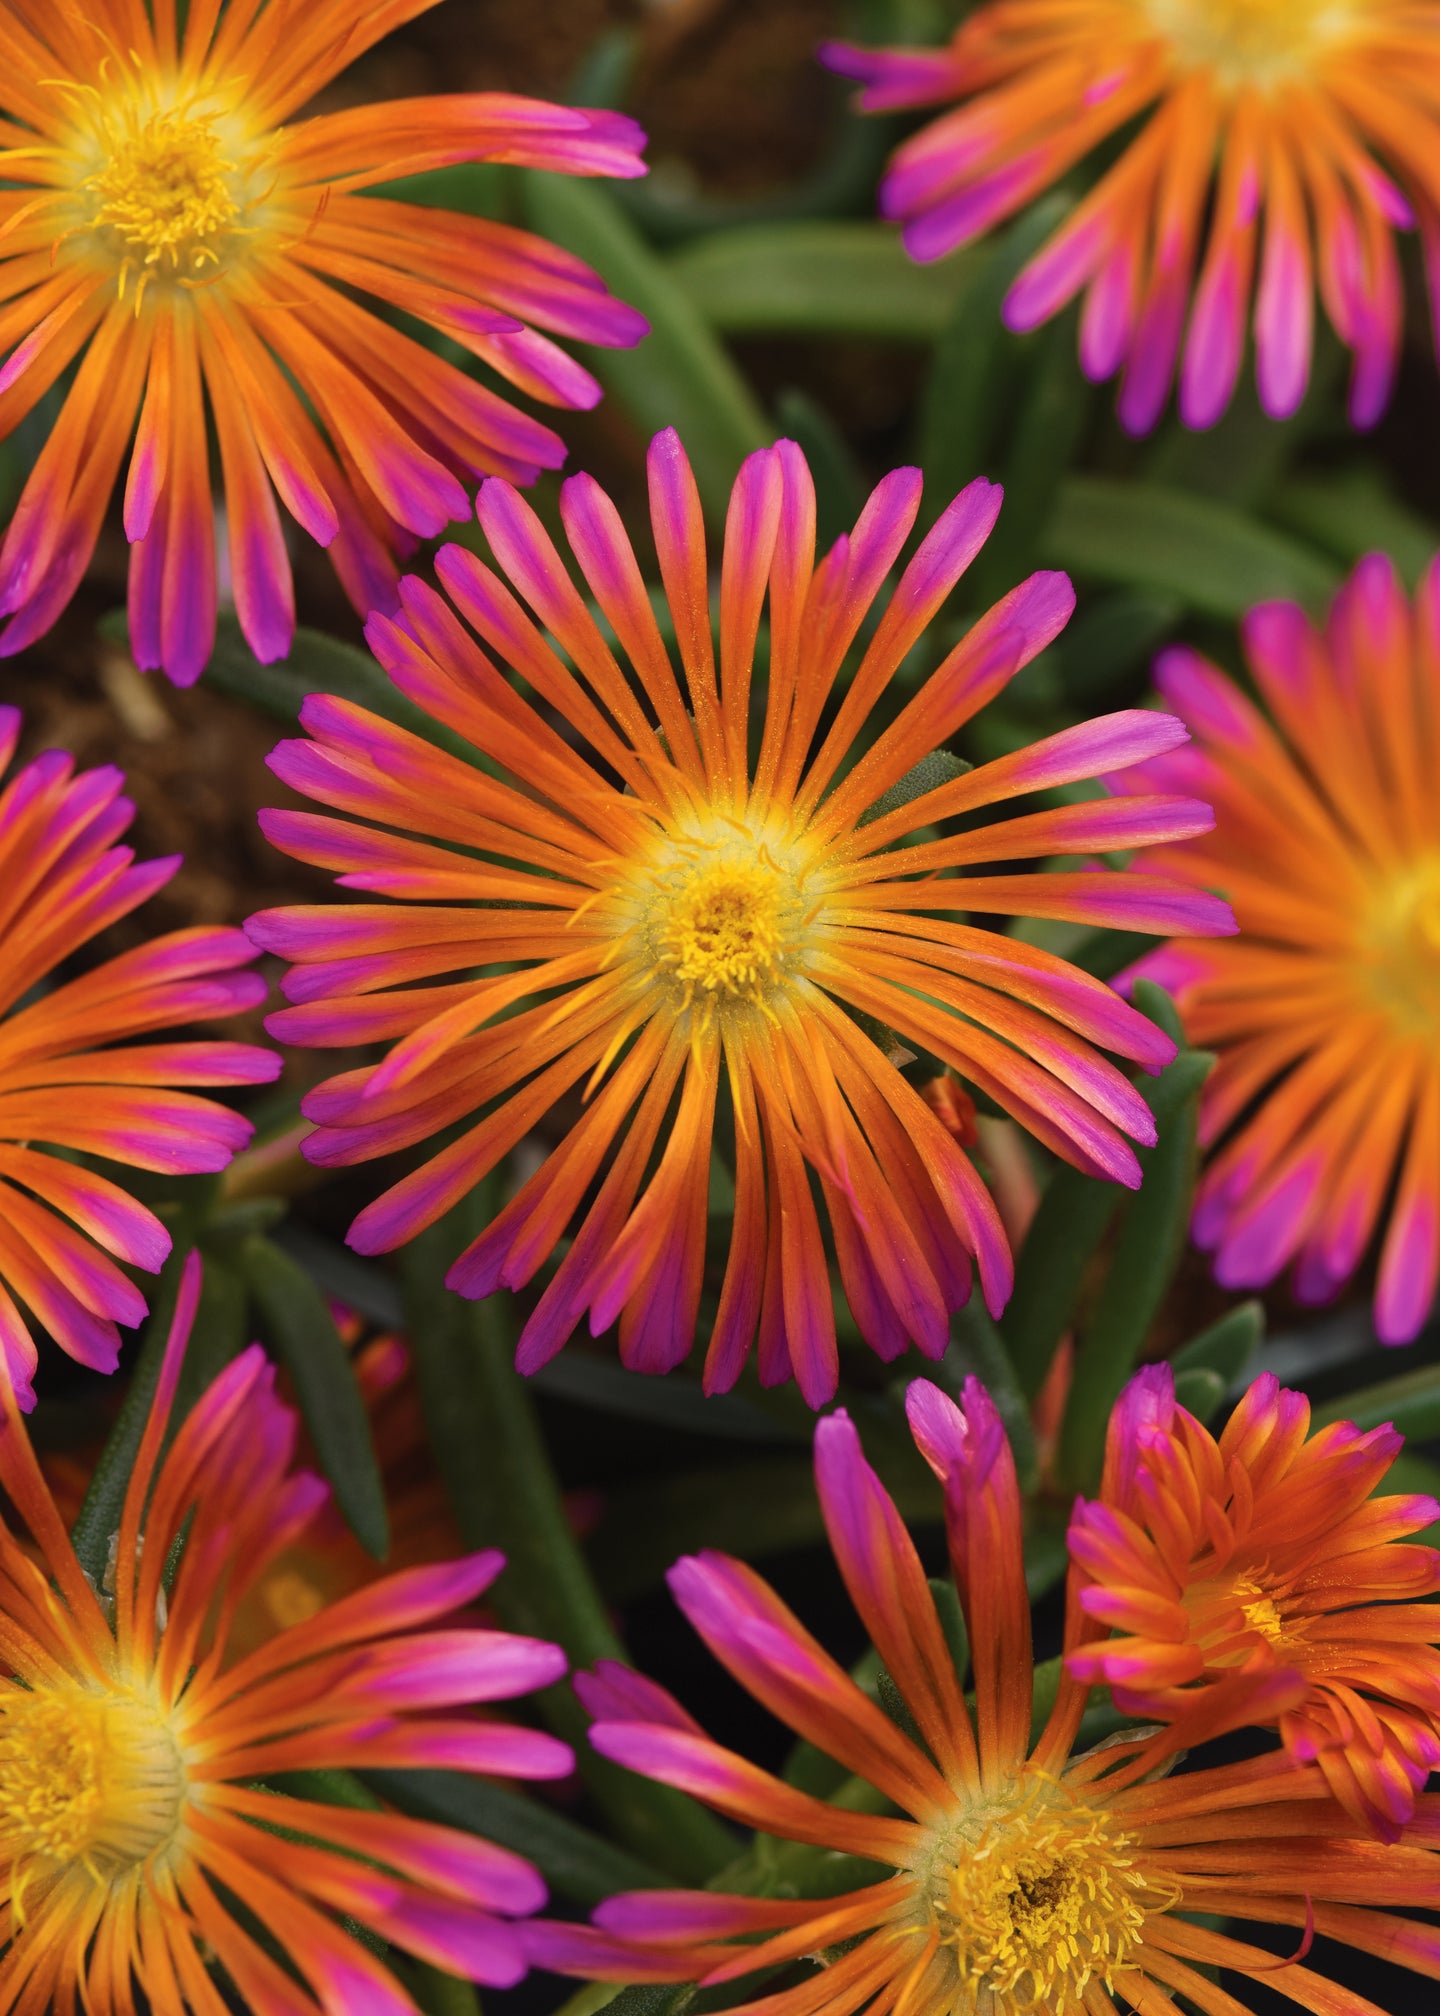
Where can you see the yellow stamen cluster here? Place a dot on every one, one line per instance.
(1260, 1611)
(1232, 1614)
(718, 920)
(87, 1778)
(722, 934)
(1037, 1895)
(166, 192)
(1260, 43)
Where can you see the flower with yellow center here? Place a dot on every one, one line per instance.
(1009, 1876)
(699, 911)
(171, 224)
(1323, 1111)
(140, 1751)
(1281, 145)
(1267, 1550)
(1036, 1894)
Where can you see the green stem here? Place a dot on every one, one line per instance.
(443, 1994)
(492, 1455)
(98, 1519)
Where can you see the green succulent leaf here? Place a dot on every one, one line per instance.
(297, 1322)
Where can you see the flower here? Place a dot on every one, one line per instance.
(660, 917)
(1012, 1877)
(136, 1808)
(1323, 1112)
(1267, 124)
(62, 880)
(327, 1561)
(176, 224)
(1268, 1549)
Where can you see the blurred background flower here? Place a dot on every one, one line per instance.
(1257, 177)
(1323, 1113)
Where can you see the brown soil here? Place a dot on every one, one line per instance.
(729, 88)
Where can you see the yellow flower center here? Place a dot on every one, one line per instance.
(722, 932)
(1256, 42)
(1400, 949)
(720, 923)
(88, 1778)
(1230, 1612)
(167, 194)
(1037, 1895)
(1261, 1612)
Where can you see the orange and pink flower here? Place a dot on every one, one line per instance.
(704, 940)
(197, 246)
(72, 1077)
(1281, 145)
(1013, 1874)
(1323, 1113)
(1268, 1548)
(135, 1749)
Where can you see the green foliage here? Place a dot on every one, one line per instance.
(1215, 560)
(492, 1458)
(301, 1330)
(679, 376)
(98, 1520)
(1148, 1243)
(579, 1865)
(1411, 1401)
(817, 279)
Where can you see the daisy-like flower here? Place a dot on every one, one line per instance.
(71, 1076)
(135, 1755)
(196, 246)
(1266, 1547)
(1323, 1111)
(684, 915)
(1257, 160)
(1011, 1878)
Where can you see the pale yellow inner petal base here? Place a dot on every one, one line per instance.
(1261, 43)
(86, 1778)
(1400, 948)
(716, 923)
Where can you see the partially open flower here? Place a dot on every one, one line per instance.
(1268, 1548)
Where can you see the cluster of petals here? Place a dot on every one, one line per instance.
(1280, 148)
(141, 1832)
(1323, 1111)
(72, 1077)
(1266, 1549)
(169, 223)
(1013, 1875)
(692, 939)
